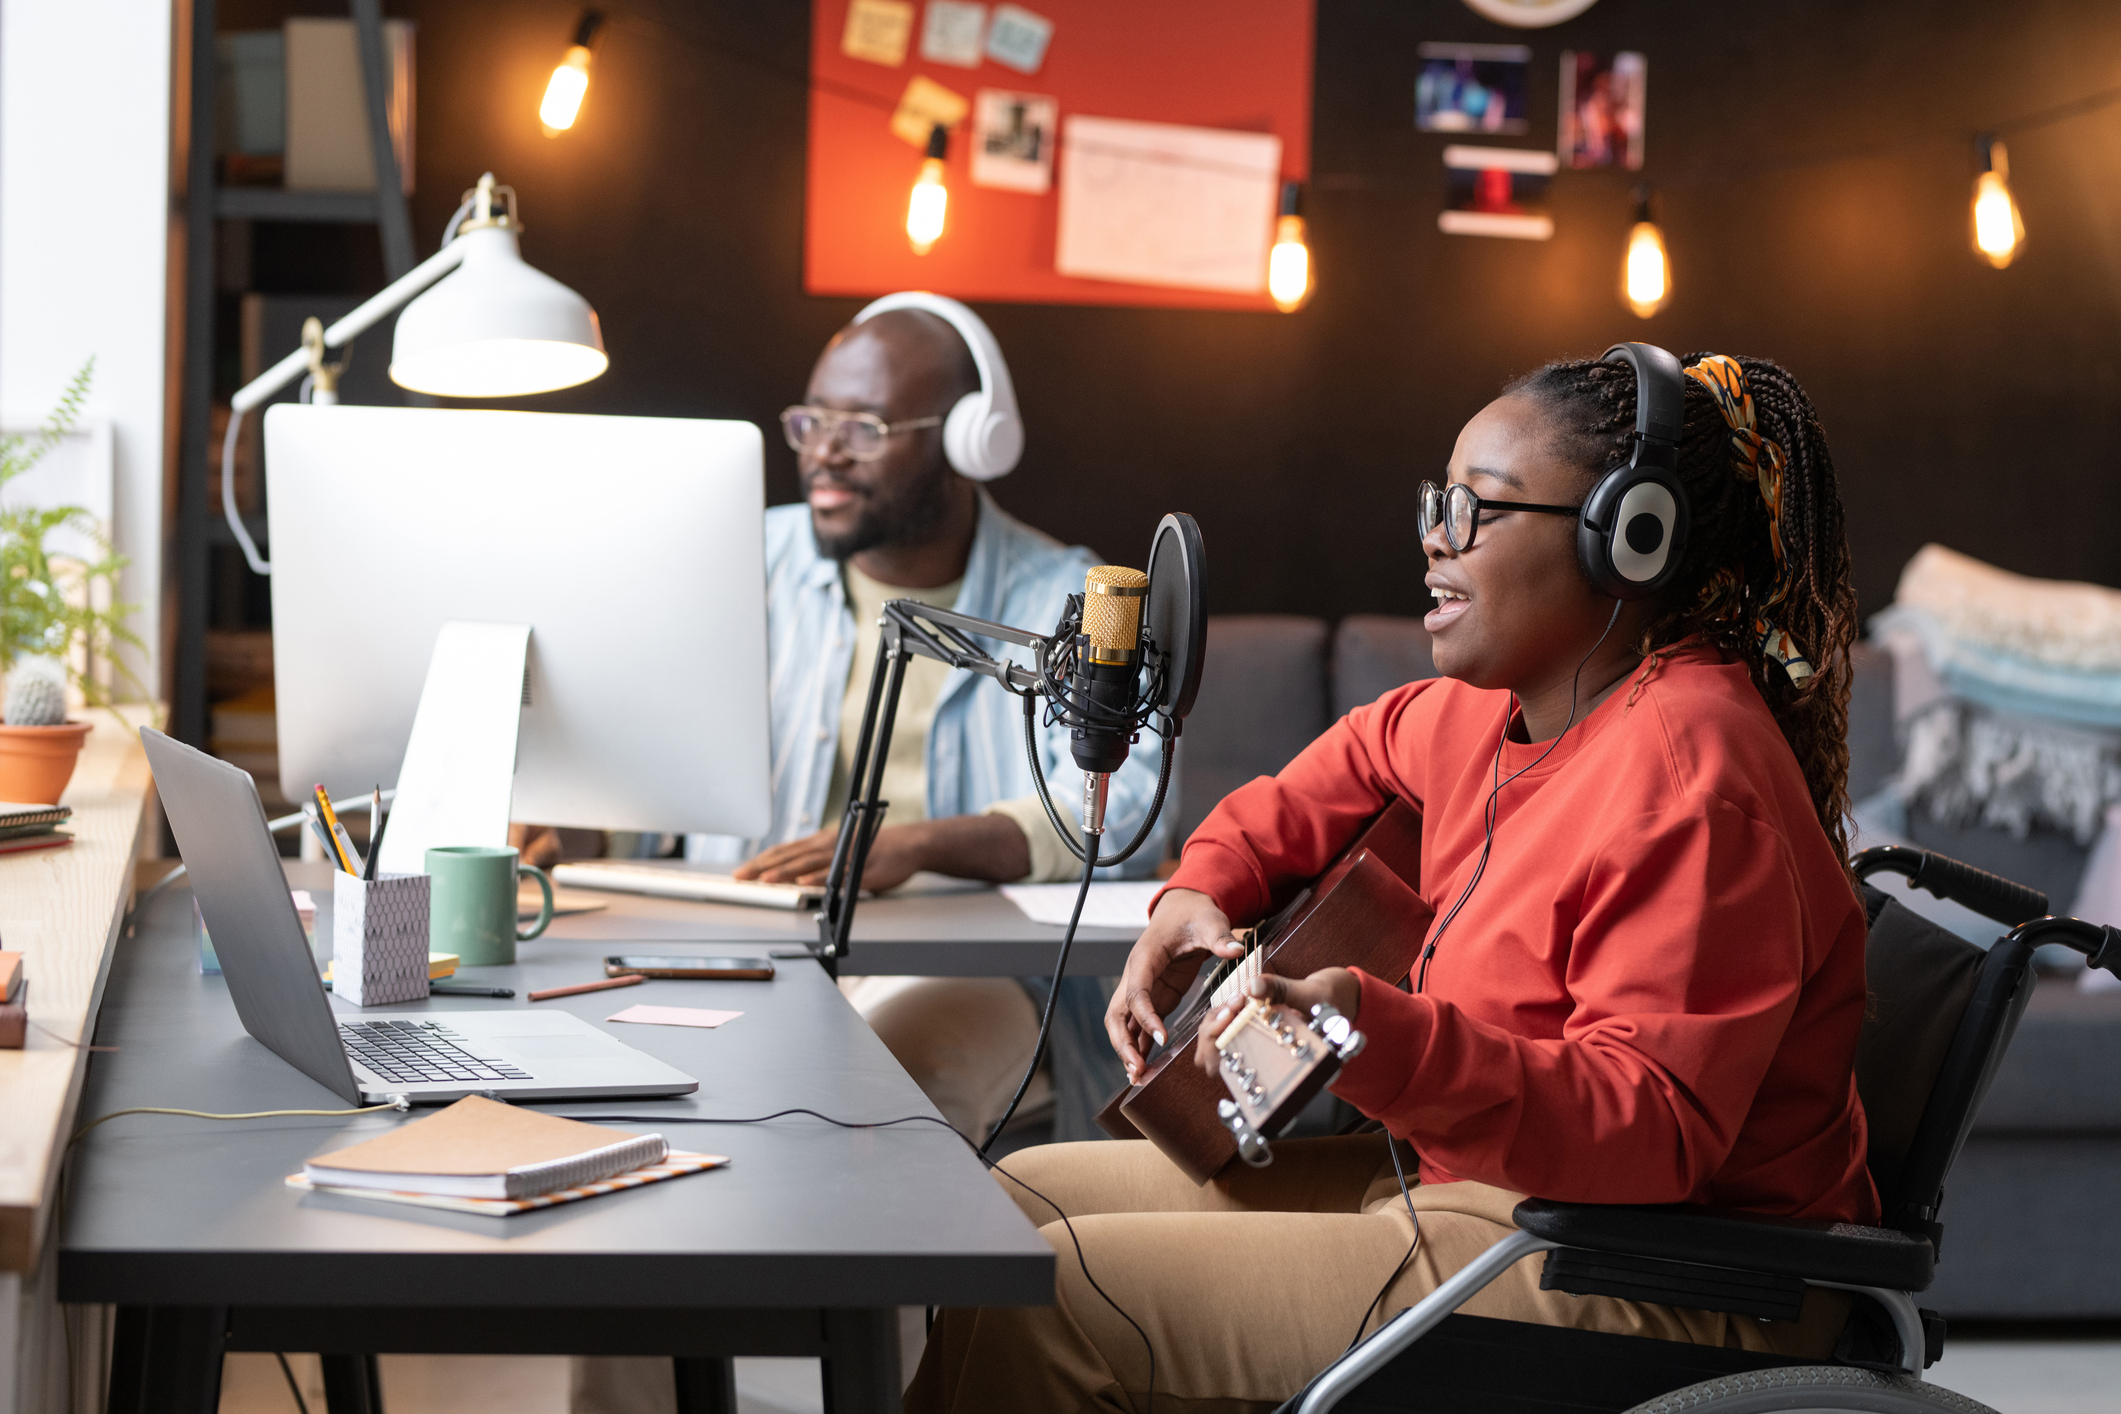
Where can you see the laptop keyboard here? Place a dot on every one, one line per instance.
(419, 1053)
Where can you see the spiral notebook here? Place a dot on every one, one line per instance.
(481, 1149)
(676, 1164)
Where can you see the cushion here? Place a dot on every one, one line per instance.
(1262, 700)
(1374, 653)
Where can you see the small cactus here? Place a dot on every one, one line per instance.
(36, 693)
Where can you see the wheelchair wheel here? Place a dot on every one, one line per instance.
(1799, 1389)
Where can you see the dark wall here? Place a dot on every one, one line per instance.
(1976, 407)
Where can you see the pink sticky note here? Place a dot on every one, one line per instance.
(674, 1016)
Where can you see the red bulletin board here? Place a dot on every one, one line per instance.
(1240, 64)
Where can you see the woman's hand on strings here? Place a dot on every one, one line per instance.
(1337, 987)
(1186, 930)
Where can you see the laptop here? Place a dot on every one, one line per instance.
(429, 1057)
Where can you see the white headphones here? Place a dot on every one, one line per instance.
(982, 436)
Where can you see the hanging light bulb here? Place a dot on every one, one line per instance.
(1646, 272)
(1289, 263)
(930, 201)
(570, 81)
(1998, 231)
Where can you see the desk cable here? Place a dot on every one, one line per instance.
(396, 1102)
(977, 1152)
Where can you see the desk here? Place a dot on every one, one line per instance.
(976, 933)
(802, 1247)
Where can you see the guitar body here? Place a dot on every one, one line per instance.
(1363, 912)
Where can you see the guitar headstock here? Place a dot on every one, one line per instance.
(1273, 1061)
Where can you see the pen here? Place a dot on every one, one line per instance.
(448, 989)
(341, 844)
(631, 980)
(309, 815)
(378, 822)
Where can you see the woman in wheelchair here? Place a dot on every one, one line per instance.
(1646, 976)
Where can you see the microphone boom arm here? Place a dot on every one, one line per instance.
(909, 628)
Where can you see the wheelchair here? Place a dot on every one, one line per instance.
(1943, 1013)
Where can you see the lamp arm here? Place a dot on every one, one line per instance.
(363, 317)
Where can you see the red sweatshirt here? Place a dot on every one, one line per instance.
(1654, 993)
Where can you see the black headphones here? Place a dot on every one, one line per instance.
(1633, 531)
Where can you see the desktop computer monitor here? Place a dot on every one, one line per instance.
(632, 546)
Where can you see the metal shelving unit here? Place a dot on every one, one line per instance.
(198, 527)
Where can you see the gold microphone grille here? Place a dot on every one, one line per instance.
(1112, 608)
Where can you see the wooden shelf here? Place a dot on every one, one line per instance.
(278, 204)
(62, 910)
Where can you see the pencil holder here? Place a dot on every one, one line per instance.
(379, 938)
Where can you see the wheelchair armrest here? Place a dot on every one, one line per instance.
(1723, 1237)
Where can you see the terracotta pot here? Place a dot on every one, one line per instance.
(37, 762)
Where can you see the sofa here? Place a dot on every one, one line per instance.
(2030, 1231)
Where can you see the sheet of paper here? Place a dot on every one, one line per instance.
(878, 30)
(1113, 905)
(1161, 204)
(1012, 140)
(1018, 38)
(674, 1016)
(952, 31)
(924, 104)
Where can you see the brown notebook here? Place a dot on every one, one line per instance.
(480, 1148)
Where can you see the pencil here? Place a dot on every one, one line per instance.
(632, 980)
(339, 843)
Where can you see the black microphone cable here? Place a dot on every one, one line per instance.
(1429, 951)
(978, 1152)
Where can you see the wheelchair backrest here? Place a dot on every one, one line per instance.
(1941, 1012)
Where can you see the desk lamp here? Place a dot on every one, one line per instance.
(490, 327)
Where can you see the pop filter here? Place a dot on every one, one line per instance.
(1175, 614)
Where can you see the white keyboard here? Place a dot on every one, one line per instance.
(677, 880)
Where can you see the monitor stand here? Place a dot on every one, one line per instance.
(460, 763)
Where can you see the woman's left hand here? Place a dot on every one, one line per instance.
(1337, 987)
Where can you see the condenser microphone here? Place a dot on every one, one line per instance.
(1106, 681)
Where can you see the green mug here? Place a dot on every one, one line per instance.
(472, 910)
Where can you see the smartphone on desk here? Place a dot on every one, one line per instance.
(692, 969)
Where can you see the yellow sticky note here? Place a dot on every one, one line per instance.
(878, 31)
(924, 104)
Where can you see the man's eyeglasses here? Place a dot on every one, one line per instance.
(1457, 510)
(862, 434)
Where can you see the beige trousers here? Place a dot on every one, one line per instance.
(964, 1040)
(1249, 1286)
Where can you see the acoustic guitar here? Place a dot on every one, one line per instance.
(1362, 912)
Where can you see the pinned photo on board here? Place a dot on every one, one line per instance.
(1497, 191)
(1602, 108)
(1012, 140)
(1471, 88)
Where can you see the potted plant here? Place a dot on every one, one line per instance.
(52, 630)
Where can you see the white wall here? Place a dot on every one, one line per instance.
(84, 230)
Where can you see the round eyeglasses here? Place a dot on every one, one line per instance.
(1457, 510)
(861, 434)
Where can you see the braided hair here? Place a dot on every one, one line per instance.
(1731, 570)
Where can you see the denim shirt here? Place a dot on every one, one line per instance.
(975, 755)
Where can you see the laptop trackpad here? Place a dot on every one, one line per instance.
(561, 1047)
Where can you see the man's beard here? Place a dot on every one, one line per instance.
(911, 514)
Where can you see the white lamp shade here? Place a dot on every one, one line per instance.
(495, 328)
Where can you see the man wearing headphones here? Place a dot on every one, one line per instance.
(909, 409)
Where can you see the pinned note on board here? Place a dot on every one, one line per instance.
(1018, 38)
(878, 31)
(1164, 204)
(1012, 140)
(952, 31)
(923, 105)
